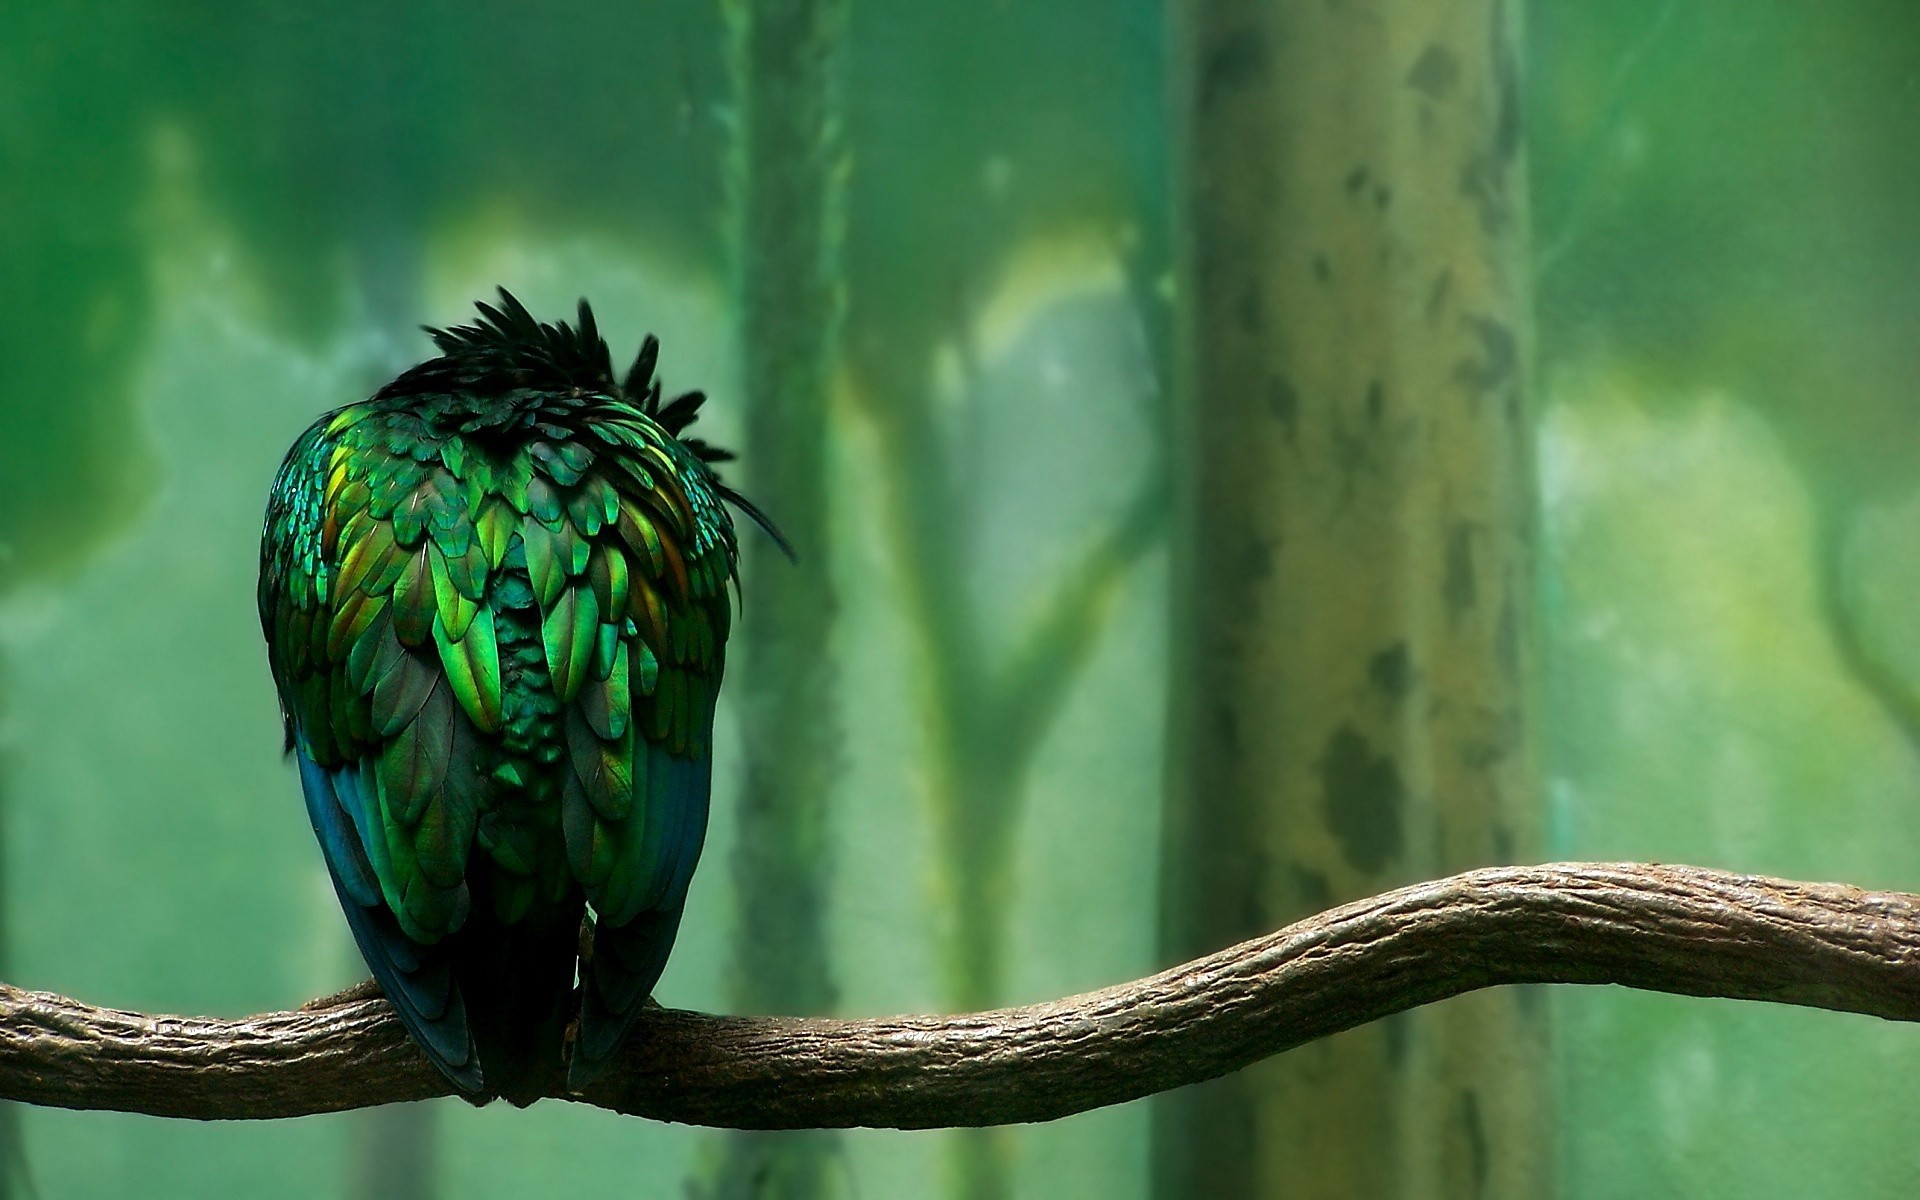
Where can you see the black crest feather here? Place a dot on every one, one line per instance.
(508, 350)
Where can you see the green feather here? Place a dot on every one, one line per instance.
(440, 842)
(414, 601)
(607, 573)
(649, 668)
(568, 632)
(556, 464)
(410, 517)
(543, 561)
(606, 641)
(468, 572)
(513, 482)
(605, 701)
(472, 662)
(455, 609)
(587, 507)
(603, 767)
(447, 515)
(374, 653)
(638, 531)
(495, 526)
(400, 692)
(355, 615)
(543, 503)
(413, 763)
(365, 550)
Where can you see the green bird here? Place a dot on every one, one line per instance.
(496, 602)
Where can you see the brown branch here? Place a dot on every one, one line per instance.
(1667, 929)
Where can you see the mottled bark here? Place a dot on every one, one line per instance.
(1351, 703)
(787, 173)
(1684, 930)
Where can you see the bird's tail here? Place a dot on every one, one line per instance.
(614, 986)
(518, 983)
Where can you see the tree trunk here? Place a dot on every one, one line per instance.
(787, 176)
(1352, 704)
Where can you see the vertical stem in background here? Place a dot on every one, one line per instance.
(986, 713)
(396, 1153)
(13, 1149)
(788, 176)
(1352, 704)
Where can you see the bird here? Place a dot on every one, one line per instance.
(496, 598)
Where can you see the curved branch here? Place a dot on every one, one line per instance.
(1669, 929)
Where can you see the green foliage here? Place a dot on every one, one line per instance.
(73, 461)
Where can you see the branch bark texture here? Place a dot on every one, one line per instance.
(1684, 930)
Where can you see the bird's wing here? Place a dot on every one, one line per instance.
(371, 577)
(630, 559)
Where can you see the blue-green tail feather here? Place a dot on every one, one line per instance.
(417, 979)
(629, 957)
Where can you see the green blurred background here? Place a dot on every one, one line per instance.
(219, 219)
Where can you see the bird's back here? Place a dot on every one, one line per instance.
(495, 597)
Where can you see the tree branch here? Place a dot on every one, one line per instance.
(1669, 929)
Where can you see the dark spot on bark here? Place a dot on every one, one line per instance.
(1249, 308)
(1435, 73)
(1476, 1135)
(1507, 128)
(1206, 267)
(1311, 889)
(1363, 798)
(1442, 288)
(1256, 559)
(1391, 670)
(1238, 59)
(1460, 589)
(1356, 180)
(1376, 400)
(1479, 754)
(1349, 453)
(1499, 356)
(1483, 180)
(1322, 268)
(1506, 638)
(1226, 730)
(1284, 403)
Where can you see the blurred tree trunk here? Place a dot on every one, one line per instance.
(787, 175)
(1352, 700)
(13, 1158)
